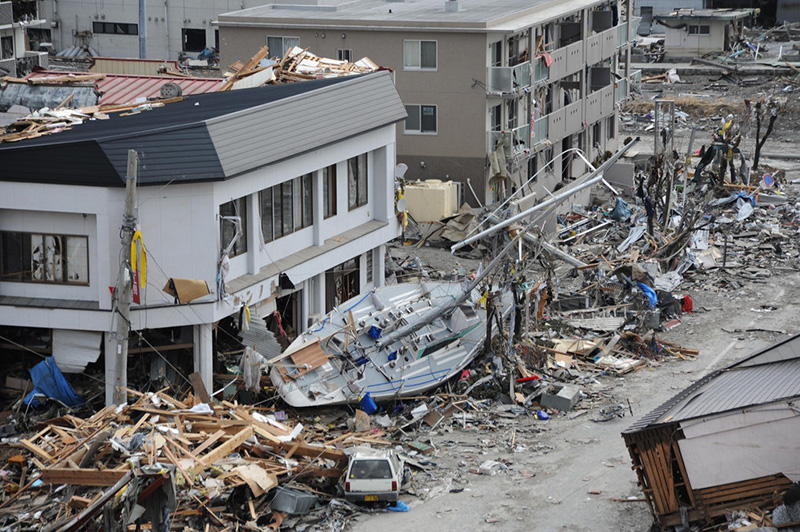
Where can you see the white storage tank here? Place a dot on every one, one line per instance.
(431, 200)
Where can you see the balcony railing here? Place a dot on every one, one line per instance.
(514, 140)
(621, 91)
(539, 130)
(622, 31)
(540, 69)
(508, 79)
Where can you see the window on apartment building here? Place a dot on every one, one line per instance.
(596, 134)
(194, 39)
(342, 283)
(512, 113)
(419, 55)
(329, 191)
(533, 167)
(344, 55)
(357, 181)
(495, 118)
(496, 54)
(420, 119)
(611, 126)
(278, 46)
(287, 207)
(368, 264)
(115, 28)
(699, 30)
(44, 258)
(6, 47)
(227, 226)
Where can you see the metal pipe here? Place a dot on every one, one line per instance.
(547, 246)
(590, 180)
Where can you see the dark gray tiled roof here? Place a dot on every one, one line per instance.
(208, 137)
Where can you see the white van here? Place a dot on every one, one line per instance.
(373, 475)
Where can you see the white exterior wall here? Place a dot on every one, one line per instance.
(678, 41)
(741, 446)
(180, 228)
(165, 18)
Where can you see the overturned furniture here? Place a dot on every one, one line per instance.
(728, 441)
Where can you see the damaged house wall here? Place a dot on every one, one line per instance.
(727, 441)
(196, 156)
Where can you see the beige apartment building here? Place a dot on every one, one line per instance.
(494, 90)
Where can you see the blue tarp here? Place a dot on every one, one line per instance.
(48, 380)
(650, 293)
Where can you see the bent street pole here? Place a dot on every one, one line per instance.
(125, 286)
(591, 179)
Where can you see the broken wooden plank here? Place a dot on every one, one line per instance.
(82, 477)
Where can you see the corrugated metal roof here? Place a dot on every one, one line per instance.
(74, 350)
(263, 339)
(769, 375)
(274, 131)
(119, 89)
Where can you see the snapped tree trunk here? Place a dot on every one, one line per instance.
(760, 142)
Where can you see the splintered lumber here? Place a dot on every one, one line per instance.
(228, 447)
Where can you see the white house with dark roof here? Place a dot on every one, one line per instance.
(308, 168)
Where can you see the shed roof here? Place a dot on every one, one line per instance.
(208, 137)
(767, 376)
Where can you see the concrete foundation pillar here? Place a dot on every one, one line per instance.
(203, 354)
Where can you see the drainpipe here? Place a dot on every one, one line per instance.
(166, 25)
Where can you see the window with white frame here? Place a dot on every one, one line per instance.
(286, 208)
(343, 54)
(512, 114)
(699, 30)
(329, 191)
(227, 225)
(278, 46)
(496, 54)
(495, 118)
(44, 258)
(357, 181)
(419, 55)
(420, 119)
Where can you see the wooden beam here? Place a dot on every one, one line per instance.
(200, 388)
(82, 477)
(228, 447)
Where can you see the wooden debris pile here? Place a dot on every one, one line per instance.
(296, 65)
(224, 461)
(47, 121)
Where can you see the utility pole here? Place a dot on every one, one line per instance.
(125, 287)
(143, 31)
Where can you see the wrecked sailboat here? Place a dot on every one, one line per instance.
(395, 341)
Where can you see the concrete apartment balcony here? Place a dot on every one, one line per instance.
(507, 81)
(540, 131)
(541, 72)
(514, 141)
(623, 36)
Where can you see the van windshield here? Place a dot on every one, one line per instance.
(371, 469)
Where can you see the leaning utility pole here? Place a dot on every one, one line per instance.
(125, 286)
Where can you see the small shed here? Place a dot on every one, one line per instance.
(696, 32)
(727, 442)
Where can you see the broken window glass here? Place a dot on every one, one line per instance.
(44, 258)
